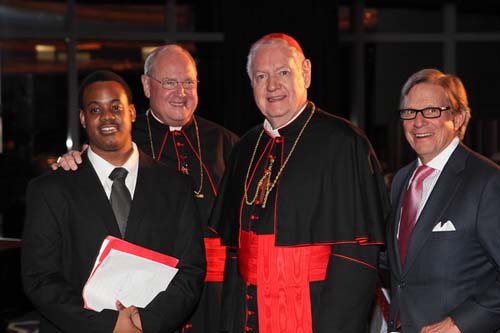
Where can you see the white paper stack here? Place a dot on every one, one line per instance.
(129, 273)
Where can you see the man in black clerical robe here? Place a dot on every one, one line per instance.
(170, 132)
(179, 148)
(301, 209)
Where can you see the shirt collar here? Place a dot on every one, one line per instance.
(440, 160)
(275, 132)
(104, 168)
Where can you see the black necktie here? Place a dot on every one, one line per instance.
(120, 198)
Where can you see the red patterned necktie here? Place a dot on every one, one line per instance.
(411, 202)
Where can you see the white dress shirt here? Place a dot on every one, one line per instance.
(103, 169)
(437, 163)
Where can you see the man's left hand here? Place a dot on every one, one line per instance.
(445, 326)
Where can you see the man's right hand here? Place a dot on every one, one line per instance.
(125, 323)
(70, 160)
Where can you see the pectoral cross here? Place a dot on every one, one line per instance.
(265, 182)
(185, 169)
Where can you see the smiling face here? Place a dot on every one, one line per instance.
(107, 118)
(173, 107)
(429, 137)
(279, 81)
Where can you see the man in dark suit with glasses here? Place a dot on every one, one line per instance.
(443, 233)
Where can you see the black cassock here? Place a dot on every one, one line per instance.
(331, 192)
(179, 149)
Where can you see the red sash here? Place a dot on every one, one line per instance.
(216, 258)
(282, 275)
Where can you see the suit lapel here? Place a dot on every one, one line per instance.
(441, 196)
(95, 197)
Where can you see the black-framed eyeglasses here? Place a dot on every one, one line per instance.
(429, 113)
(170, 84)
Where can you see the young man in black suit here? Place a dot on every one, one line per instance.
(69, 214)
(171, 132)
(443, 240)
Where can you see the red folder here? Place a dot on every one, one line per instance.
(127, 247)
(112, 243)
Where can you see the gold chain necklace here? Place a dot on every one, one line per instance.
(267, 175)
(198, 193)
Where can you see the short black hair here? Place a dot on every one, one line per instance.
(99, 76)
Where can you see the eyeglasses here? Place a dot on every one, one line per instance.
(170, 84)
(429, 113)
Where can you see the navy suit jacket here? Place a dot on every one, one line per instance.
(450, 273)
(69, 215)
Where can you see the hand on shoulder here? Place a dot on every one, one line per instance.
(70, 160)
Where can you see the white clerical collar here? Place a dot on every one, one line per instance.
(275, 132)
(172, 128)
(442, 158)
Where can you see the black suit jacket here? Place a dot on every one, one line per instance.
(450, 273)
(69, 215)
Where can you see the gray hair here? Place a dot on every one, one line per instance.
(453, 87)
(150, 60)
(298, 56)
